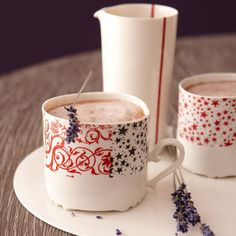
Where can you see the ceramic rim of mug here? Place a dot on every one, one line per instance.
(206, 78)
(170, 11)
(69, 99)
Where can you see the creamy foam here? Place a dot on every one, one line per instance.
(222, 88)
(102, 111)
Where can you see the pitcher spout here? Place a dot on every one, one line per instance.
(98, 14)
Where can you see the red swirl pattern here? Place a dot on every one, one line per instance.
(88, 154)
(94, 133)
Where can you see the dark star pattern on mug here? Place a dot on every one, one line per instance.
(130, 148)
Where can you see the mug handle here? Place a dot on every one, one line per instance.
(154, 156)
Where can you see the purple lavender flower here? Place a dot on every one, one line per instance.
(185, 212)
(206, 231)
(192, 215)
(73, 129)
(71, 109)
(182, 226)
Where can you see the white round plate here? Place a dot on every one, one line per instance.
(215, 200)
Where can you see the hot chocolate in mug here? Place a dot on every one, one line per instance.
(106, 167)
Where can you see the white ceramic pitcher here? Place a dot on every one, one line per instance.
(137, 56)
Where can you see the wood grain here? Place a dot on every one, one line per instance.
(22, 93)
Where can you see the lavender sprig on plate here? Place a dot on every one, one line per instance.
(186, 214)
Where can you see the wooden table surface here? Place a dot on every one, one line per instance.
(22, 93)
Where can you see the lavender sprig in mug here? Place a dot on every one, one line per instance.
(106, 167)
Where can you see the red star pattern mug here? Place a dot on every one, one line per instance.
(207, 126)
(106, 167)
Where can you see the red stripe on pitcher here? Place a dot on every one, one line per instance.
(160, 76)
(152, 10)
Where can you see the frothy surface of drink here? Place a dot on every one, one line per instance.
(102, 111)
(218, 89)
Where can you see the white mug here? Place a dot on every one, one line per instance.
(106, 168)
(138, 55)
(207, 128)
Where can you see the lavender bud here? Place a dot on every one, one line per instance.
(71, 132)
(206, 231)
